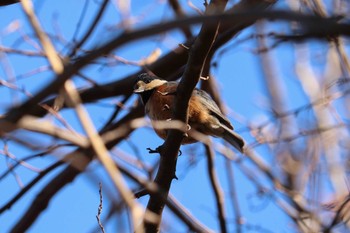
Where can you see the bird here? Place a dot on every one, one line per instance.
(204, 115)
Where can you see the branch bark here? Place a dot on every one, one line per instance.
(8, 2)
(77, 164)
(164, 67)
(170, 149)
(219, 196)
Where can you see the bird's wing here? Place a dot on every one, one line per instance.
(213, 108)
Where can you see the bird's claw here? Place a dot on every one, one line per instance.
(152, 151)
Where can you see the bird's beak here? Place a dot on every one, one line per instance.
(139, 90)
(139, 87)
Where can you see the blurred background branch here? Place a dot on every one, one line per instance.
(284, 83)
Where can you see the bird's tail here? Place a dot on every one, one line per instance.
(234, 139)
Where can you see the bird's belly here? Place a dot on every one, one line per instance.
(158, 112)
(161, 110)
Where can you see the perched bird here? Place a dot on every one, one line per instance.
(204, 115)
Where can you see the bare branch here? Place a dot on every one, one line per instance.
(333, 29)
(91, 28)
(29, 186)
(219, 196)
(78, 161)
(103, 155)
(8, 2)
(180, 14)
(100, 206)
(169, 150)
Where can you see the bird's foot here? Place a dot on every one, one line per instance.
(141, 193)
(152, 151)
(158, 151)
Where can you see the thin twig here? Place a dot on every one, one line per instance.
(25, 189)
(21, 52)
(88, 126)
(91, 28)
(180, 211)
(20, 161)
(78, 160)
(343, 208)
(233, 196)
(128, 36)
(219, 196)
(99, 211)
(103, 155)
(180, 14)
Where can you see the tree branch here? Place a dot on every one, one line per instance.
(164, 67)
(219, 196)
(314, 31)
(169, 150)
(77, 164)
(8, 2)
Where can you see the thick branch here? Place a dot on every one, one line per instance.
(169, 150)
(328, 29)
(41, 201)
(164, 67)
(180, 211)
(77, 166)
(8, 2)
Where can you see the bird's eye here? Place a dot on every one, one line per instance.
(144, 77)
(147, 80)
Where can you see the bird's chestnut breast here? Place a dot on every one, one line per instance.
(159, 106)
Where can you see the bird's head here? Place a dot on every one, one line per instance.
(146, 82)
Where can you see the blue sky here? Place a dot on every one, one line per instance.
(242, 87)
